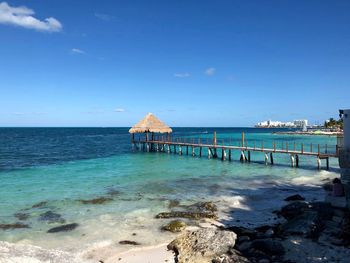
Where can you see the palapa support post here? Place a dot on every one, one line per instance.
(242, 158)
(223, 154)
(215, 155)
(242, 139)
(266, 158)
(292, 160)
(271, 158)
(174, 148)
(296, 160)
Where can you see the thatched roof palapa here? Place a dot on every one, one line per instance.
(150, 123)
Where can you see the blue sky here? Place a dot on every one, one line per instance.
(192, 63)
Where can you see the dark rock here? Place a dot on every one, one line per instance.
(262, 228)
(203, 207)
(175, 226)
(96, 201)
(323, 209)
(13, 226)
(293, 209)
(63, 228)
(128, 242)
(189, 215)
(202, 245)
(269, 246)
(22, 216)
(294, 198)
(40, 204)
(242, 231)
(51, 217)
(196, 211)
(308, 225)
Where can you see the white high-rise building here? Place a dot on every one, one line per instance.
(300, 123)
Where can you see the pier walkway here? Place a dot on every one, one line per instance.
(224, 150)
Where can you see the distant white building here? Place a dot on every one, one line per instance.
(300, 123)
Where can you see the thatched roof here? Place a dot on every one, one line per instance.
(150, 123)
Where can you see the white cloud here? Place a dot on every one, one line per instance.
(77, 51)
(23, 17)
(104, 17)
(210, 71)
(182, 75)
(119, 110)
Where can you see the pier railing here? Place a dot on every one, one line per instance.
(293, 149)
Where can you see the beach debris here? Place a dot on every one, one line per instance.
(63, 228)
(13, 226)
(96, 201)
(202, 245)
(128, 242)
(51, 217)
(175, 226)
(21, 216)
(40, 204)
(296, 197)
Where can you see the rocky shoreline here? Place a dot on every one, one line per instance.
(309, 222)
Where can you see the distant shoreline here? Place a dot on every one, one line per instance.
(318, 132)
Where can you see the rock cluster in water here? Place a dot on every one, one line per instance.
(96, 201)
(196, 211)
(63, 228)
(175, 226)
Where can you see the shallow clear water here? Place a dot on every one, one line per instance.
(61, 166)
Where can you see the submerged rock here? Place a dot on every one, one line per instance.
(96, 201)
(294, 198)
(128, 242)
(63, 228)
(51, 217)
(13, 226)
(202, 245)
(40, 204)
(189, 215)
(175, 226)
(294, 209)
(22, 216)
(173, 203)
(195, 211)
(203, 207)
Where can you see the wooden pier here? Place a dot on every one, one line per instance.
(224, 151)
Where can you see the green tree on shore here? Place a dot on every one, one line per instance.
(334, 124)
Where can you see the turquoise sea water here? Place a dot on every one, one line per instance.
(60, 166)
